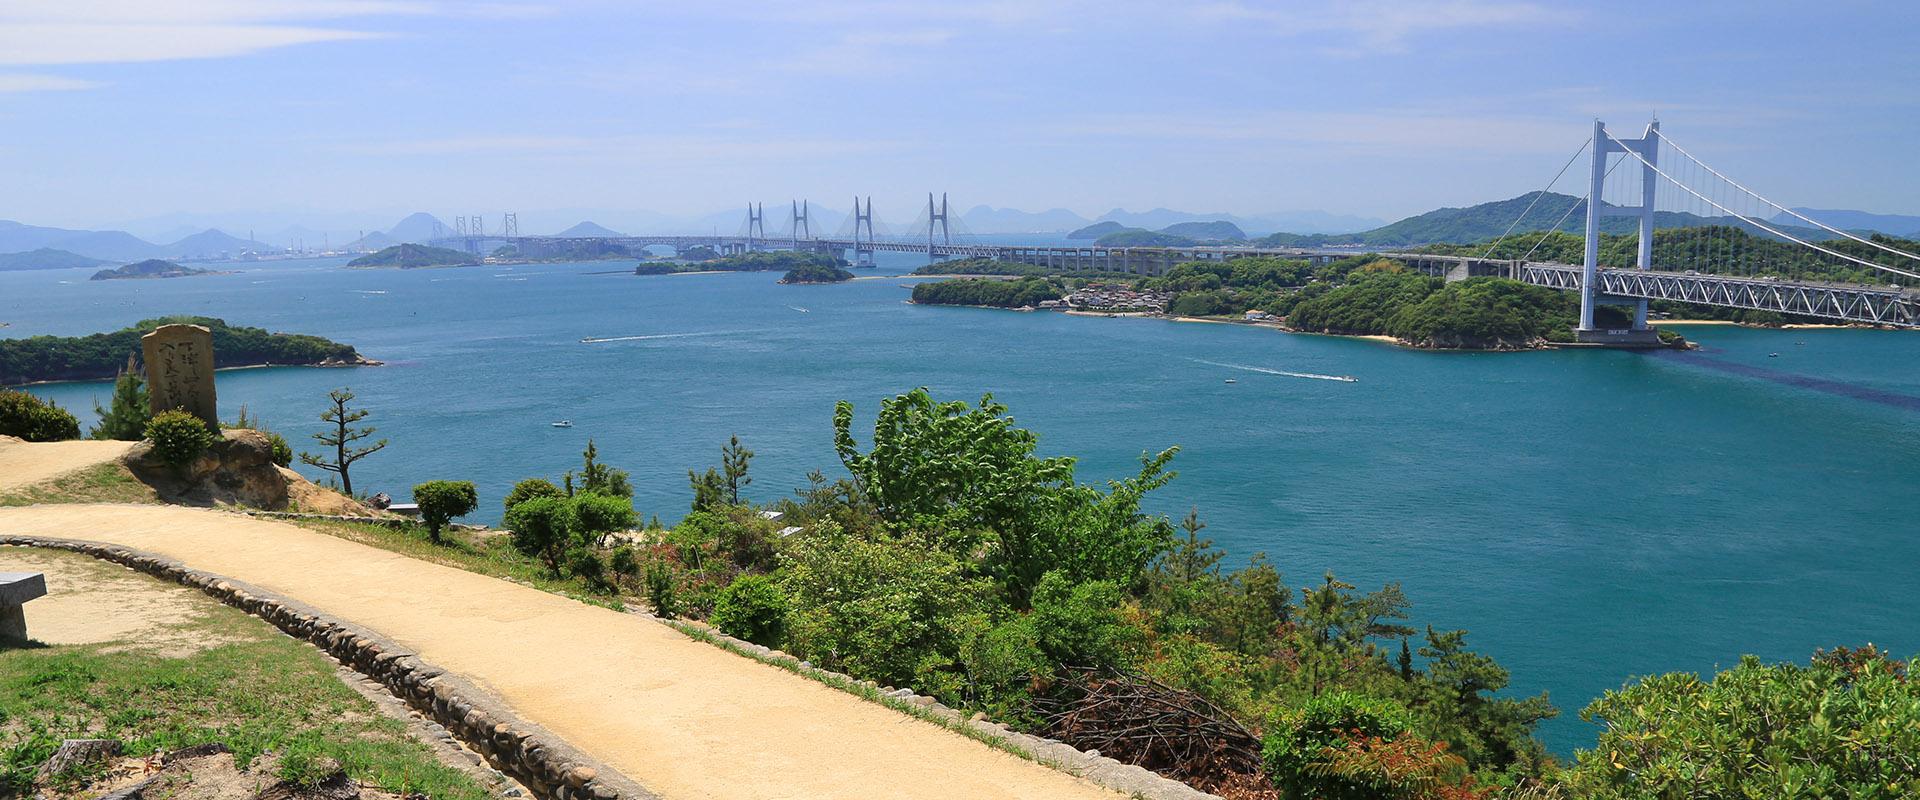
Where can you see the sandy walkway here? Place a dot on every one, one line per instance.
(685, 719)
(24, 464)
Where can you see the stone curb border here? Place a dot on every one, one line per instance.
(543, 762)
(1135, 781)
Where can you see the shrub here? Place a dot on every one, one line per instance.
(587, 565)
(282, 452)
(1846, 725)
(35, 420)
(179, 437)
(529, 489)
(541, 528)
(1345, 746)
(596, 515)
(752, 608)
(663, 590)
(441, 501)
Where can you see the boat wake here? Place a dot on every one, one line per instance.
(368, 291)
(599, 339)
(1283, 373)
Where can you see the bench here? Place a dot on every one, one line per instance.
(16, 588)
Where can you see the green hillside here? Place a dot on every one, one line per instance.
(1486, 221)
(415, 256)
(46, 258)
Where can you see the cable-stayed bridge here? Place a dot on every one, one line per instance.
(1699, 237)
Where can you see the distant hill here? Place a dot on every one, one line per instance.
(212, 243)
(589, 230)
(987, 219)
(372, 241)
(1135, 237)
(1892, 224)
(46, 258)
(1098, 229)
(415, 256)
(1486, 221)
(151, 268)
(106, 245)
(1217, 230)
(419, 227)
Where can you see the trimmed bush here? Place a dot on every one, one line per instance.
(529, 489)
(752, 608)
(441, 501)
(179, 437)
(1347, 746)
(35, 420)
(541, 528)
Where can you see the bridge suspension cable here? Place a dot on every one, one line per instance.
(1795, 214)
(1755, 223)
(1536, 200)
(1571, 207)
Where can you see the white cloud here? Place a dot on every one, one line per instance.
(122, 31)
(41, 83)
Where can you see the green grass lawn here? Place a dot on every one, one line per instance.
(249, 687)
(100, 483)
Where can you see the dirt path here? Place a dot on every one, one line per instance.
(685, 719)
(24, 464)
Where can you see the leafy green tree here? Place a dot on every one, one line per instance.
(529, 489)
(126, 416)
(969, 473)
(1845, 725)
(179, 437)
(35, 420)
(1080, 625)
(753, 608)
(542, 527)
(1482, 728)
(595, 515)
(709, 489)
(342, 439)
(441, 501)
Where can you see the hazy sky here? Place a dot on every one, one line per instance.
(114, 110)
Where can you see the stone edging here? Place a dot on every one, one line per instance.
(543, 762)
(1135, 781)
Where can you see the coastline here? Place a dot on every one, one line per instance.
(362, 361)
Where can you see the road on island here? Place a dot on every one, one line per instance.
(683, 718)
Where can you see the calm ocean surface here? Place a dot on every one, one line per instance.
(1589, 516)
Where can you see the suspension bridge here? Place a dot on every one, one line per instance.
(1696, 236)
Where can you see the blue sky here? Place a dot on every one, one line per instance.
(121, 110)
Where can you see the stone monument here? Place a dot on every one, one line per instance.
(180, 371)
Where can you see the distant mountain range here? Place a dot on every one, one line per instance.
(1894, 224)
(118, 246)
(588, 230)
(1487, 221)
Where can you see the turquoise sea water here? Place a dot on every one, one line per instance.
(1589, 516)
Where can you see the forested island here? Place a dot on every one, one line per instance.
(764, 261)
(817, 273)
(414, 256)
(1019, 293)
(102, 355)
(561, 250)
(46, 258)
(151, 269)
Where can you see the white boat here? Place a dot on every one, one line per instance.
(565, 423)
(799, 309)
(1230, 380)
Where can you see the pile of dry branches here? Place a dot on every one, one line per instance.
(1138, 720)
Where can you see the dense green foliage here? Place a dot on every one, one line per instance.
(1137, 237)
(1487, 221)
(35, 420)
(1219, 230)
(1345, 746)
(817, 273)
(1221, 288)
(550, 250)
(45, 258)
(126, 417)
(1846, 725)
(1098, 229)
(150, 268)
(566, 529)
(1475, 313)
(415, 256)
(103, 355)
(441, 501)
(1718, 249)
(530, 488)
(987, 292)
(759, 261)
(179, 437)
(753, 607)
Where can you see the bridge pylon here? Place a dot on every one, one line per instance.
(863, 256)
(937, 216)
(1648, 147)
(800, 222)
(756, 225)
(510, 225)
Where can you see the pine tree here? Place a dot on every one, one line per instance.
(733, 462)
(127, 419)
(341, 439)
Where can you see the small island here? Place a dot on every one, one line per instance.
(817, 273)
(151, 268)
(551, 251)
(414, 256)
(765, 261)
(100, 356)
(46, 258)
